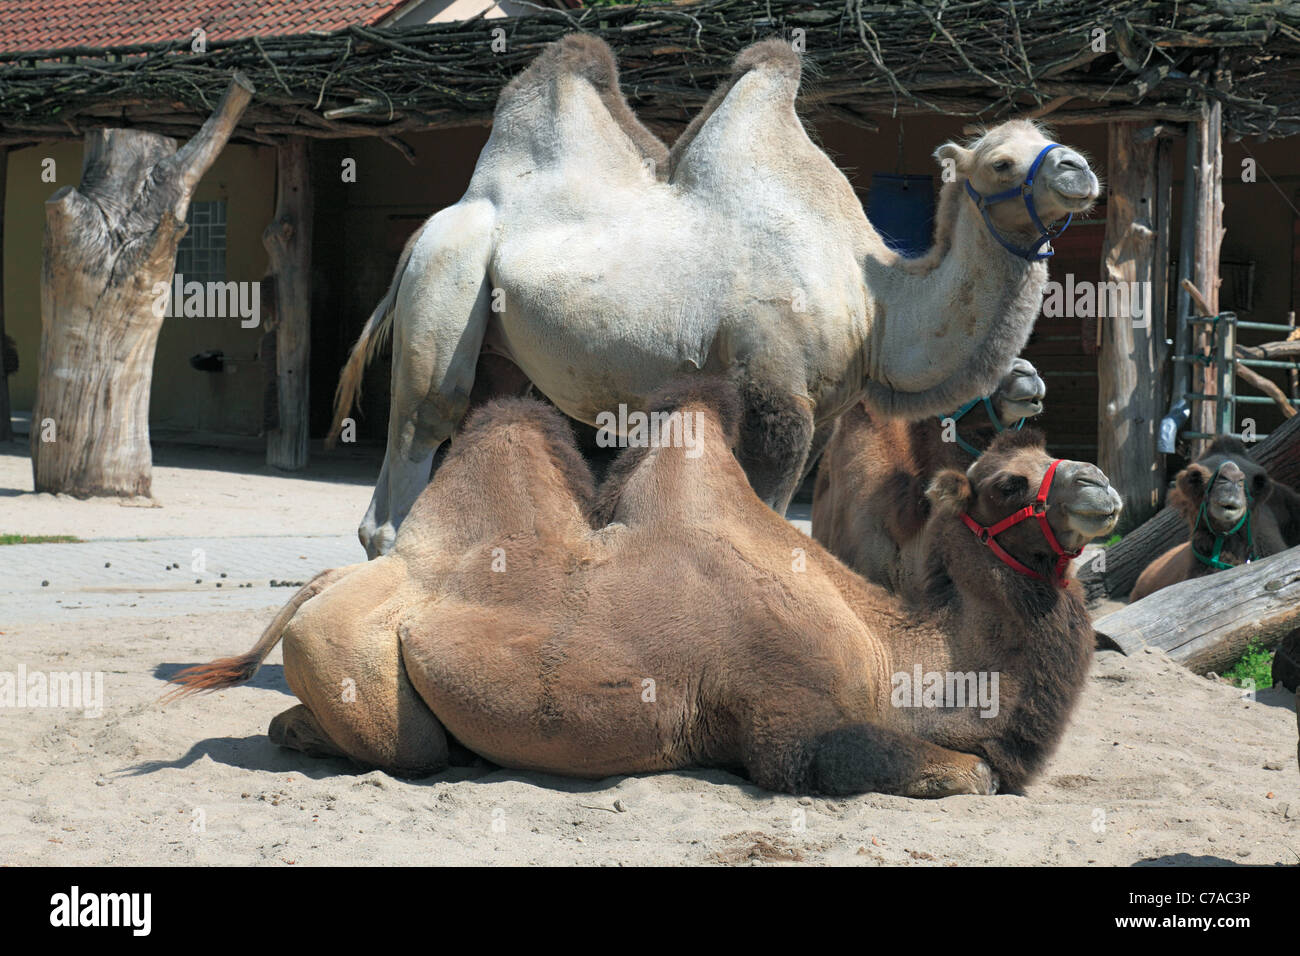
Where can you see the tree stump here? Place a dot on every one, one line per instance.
(109, 250)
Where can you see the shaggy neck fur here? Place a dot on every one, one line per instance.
(1041, 633)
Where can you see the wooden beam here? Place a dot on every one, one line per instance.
(288, 243)
(1130, 378)
(1206, 625)
(6, 424)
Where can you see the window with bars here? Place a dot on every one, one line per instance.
(202, 253)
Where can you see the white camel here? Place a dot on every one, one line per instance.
(604, 267)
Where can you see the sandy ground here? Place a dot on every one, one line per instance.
(1159, 766)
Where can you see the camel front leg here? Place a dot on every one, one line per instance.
(440, 316)
(776, 436)
(867, 758)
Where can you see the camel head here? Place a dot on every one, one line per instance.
(999, 163)
(1005, 482)
(1226, 481)
(1020, 394)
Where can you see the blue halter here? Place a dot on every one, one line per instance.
(988, 408)
(1024, 191)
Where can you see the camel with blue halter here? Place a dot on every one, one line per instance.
(869, 502)
(1235, 513)
(603, 276)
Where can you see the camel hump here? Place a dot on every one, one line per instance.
(773, 56)
(772, 53)
(578, 54)
(719, 398)
(554, 430)
(584, 55)
(589, 58)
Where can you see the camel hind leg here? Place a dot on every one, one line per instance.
(298, 729)
(342, 660)
(439, 319)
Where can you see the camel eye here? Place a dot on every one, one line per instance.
(1002, 165)
(1011, 486)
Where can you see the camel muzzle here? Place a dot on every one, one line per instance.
(1024, 192)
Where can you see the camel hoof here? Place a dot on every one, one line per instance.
(297, 729)
(377, 541)
(986, 781)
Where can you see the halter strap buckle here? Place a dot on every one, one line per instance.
(1024, 192)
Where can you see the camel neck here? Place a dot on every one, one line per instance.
(944, 323)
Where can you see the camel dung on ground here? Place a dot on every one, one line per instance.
(604, 272)
(671, 619)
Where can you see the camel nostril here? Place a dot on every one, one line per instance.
(1069, 162)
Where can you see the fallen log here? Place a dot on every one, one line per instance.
(1207, 623)
(1115, 574)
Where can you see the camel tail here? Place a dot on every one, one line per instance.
(231, 671)
(372, 338)
(376, 333)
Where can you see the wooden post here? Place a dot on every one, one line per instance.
(6, 425)
(1131, 392)
(1205, 261)
(109, 252)
(288, 243)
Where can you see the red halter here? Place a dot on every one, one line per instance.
(1037, 510)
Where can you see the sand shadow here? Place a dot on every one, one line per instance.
(1192, 859)
(258, 753)
(247, 753)
(1277, 696)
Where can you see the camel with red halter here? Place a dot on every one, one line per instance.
(672, 619)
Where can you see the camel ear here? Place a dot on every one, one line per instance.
(1261, 486)
(949, 491)
(1191, 481)
(957, 155)
(1189, 490)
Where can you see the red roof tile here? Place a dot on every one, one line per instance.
(50, 24)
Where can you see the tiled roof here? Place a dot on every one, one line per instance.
(52, 24)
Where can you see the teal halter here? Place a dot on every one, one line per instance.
(1212, 559)
(993, 418)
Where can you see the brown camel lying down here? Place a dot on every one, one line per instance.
(869, 501)
(1234, 511)
(674, 620)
